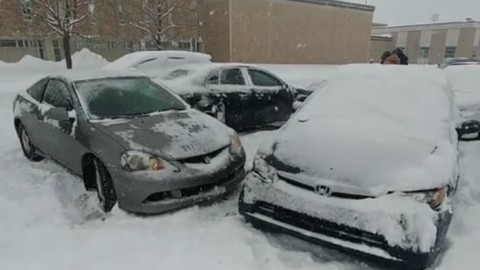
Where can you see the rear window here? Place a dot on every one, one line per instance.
(125, 97)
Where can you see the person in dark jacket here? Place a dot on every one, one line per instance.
(384, 57)
(403, 58)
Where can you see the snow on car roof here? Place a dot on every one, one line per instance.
(385, 128)
(133, 59)
(92, 74)
(466, 84)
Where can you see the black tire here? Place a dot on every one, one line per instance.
(107, 196)
(29, 150)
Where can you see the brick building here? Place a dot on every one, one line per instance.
(267, 31)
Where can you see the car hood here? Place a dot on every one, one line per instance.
(172, 135)
(365, 159)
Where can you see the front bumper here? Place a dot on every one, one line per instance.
(280, 209)
(155, 193)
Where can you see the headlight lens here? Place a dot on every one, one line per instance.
(434, 198)
(266, 172)
(236, 144)
(139, 161)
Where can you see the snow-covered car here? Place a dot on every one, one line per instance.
(368, 165)
(156, 63)
(460, 62)
(130, 140)
(465, 82)
(241, 96)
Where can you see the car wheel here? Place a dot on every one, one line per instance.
(219, 112)
(28, 148)
(104, 186)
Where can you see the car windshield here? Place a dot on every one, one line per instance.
(125, 97)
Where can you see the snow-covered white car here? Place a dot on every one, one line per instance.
(368, 165)
(157, 63)
(239, 95)
(466, 87)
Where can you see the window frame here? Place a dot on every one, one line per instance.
(449, 50)
(281, 83)
(242, 72)
(68, 95)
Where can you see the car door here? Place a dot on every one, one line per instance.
(59, 136)
(234, 94)
(273, 98)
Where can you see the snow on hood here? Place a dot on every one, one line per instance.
(172, 135)
(382, 128)
(466, 85)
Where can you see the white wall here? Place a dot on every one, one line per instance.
(452, 38)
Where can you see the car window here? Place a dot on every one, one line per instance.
(125, 97)
(214, 78)
(260, 78)
(56, 94)
(232, 76)
(37, 90)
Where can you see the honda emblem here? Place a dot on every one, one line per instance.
(323, 191)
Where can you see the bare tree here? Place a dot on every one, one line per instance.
(62, 17)
(162, 19)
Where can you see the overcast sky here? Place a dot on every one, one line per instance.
(420, 11)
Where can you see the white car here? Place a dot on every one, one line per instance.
(466, 87)
(157, 63)
(368, 165)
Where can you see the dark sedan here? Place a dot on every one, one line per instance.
(131, 140)
(242, 96)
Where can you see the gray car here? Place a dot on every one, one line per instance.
(130, 139)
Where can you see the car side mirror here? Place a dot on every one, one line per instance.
(58, 114)
(469, 131)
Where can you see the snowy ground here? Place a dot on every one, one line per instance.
(41, 227)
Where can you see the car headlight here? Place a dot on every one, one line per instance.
(236, 144)
(434, 198)
(139, 161)
(266, 172)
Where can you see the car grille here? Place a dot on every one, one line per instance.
(333, 194)
(320, 226)
(191, 191)
(205, 159)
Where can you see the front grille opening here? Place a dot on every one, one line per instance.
(188, 192)
(202, 158)
(334, 194)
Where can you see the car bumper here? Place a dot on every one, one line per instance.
(265, 211)
(155, 193)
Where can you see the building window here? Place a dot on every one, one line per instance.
(8, 43)
(425, 52)
(27, 10)
(186, 46)
(122, 18)
(450, 52)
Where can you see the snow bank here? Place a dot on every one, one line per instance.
(84, 59)
(369, 128)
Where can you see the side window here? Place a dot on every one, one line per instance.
(232, 76)
(56, 94)
(214, 78)
(37, 90)
(260, 78)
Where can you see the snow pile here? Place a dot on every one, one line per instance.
(466, 86)
(302, 76)
(86, 59)
(369, 128)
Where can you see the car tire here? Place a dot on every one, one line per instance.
(107, 196)
(29, 150)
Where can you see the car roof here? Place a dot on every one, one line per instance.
(133, 59)
(83, 75)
